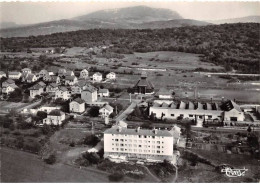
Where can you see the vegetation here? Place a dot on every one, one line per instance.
(234, 46)
(51, 159)
(94, 111)
(91, 140)
(116, 176)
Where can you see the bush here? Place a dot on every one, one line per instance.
(51, 159)
(91, 140)
(94, 111)
(116, 176)
(92, 157)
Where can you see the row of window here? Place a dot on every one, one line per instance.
(139, 141)
(137, 136)
(135, 145)
(137, 150)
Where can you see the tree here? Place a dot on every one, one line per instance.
(116, 176)
(46, 129)
(91, 140)
(249, 129)
(94, 111)
(41, 115)
(16, 95)
(92, 157)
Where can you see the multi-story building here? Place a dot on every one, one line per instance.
(77, 105)
(103, 92)
(83, 74)
(145, 144)
(26, 70)
(89, 94)
(105, 111)
(37, 89)
(97, 77)
(55, 117)
(70, 80)
(63, 93)
(14, 75)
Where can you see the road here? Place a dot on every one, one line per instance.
(124, 114)
(18, 166)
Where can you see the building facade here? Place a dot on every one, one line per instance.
(77, 106)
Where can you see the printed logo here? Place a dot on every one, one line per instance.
(234, 172)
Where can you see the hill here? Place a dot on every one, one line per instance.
(234, 46)
(248, 19)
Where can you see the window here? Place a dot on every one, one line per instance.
(140, 136)
(121, 145)
(209, 116)
(190, 115)
(145, 136)
(172, 114)
(158, 142)
(153, 137)
(158, 151)
(130, 145)
(158, 147)
(125, 139)
(116, 139)
(112, 143)
(200, 117)
(121, 149)
(121, 139)
(140, 145)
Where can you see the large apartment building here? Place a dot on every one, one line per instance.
(141, 144)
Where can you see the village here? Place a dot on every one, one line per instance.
(139, 124)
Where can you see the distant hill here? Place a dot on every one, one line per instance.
(4, 25)
(137, 14)
(248, 19)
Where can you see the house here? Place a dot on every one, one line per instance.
(62, 72)
(43, 73)
(77, 105)
(9, 88)
(97, 77)
(37, 89)
(103, 92)
(78, 87)
(47, 78)
(83, 74)
(55, 79)
(8, 82)
(164, 93)
(14, 75)
(232, 112)
(48, 109)
(29, 78)
(63, 93)
(70, 80)
(111, 76)
(52, 87)
(26, 70)
(143, 86)
(106, 111)
(138, 144)
(55, 117)
(2, 74)
(69, 73)
(89, 94)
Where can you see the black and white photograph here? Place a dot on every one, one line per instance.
(130, 92)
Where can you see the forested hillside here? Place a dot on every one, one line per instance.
(235, 46)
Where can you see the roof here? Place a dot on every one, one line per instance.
(108, 107)
(62, 70)
(104, 90)
(70, 78)
(208, 106)
(147, 132)
(44, 71)
(89, 88)
(12, 85)
(14, 73)
(54, 78)
(173, 105)
(79, 100)
(9, 81)
(68, 73)
(182, 105)
(191, 106)
(156, 104)
(84, 70)
(97, 74)
(164, 91)
(199, 106)
(2, 73)
(37, 86)
(56, 112)
(26, 69)
(30, 76)
(113, 73)
(143, 75)
(144, 83)
(63, 89)
(41, 83)
(229, 105)
(164, 105)
(53, 85)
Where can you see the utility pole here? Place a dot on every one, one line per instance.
(92, 128)
(130, 98)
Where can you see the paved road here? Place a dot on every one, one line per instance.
(18, 166)
(124, 114)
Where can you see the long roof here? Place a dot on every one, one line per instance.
(108, 107)
(14, 73)
(147, 132)
(144, 83)
(79, 100)
(229, 105)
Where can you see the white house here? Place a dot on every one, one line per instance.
(52, 87)
(47, 78)
(43, 73)
(14, 75)
(9, 88)
(103, 93)
(26, 70)
(106, 111)
(2, 74)
(48, 109)
(232, 112)
(29, 78)
(55, 117)
(55, 79)
(77, 105)
(70, 80)
(8, 82)
(89, 94)
(138, 144)
(111, 76)
(163, 93)
(63, 93)
(83, 74)
(37, 89)
(97, 77)
(62, 72)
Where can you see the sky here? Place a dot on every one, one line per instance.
(36, 12)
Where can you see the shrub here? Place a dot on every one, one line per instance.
(91, 140)
(94, 111)
(116, 176)
(92, 157)
(51, 159)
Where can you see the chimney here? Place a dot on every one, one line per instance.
(119, 129)
(155, 131)
(137, 129)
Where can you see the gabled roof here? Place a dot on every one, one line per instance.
(191, 105)
(56, 112)
(97, 74)
(63, 89)
(79, 100)
(37, 86)
(42, 84)
(26, 69)
(89, 88)
(156, 104)
(144, 83)
(182, 105)
(14, 73)
(54, 85)
(44, 71)
(30, 76)
(229, 105)
(70, 78)
(104, 90)
(9, 81)
(199, 106)
(11, 85)
(85, 70)
(69, 72)
(54, 78)
(112, 73)
(108, 107)
(2, 73)
(164, 104)
(173, 105)
(61, 71)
